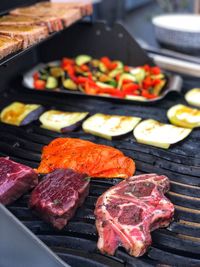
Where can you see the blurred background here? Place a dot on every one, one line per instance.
(137, 14)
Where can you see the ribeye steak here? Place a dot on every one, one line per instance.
(130, 210)
(58, 195)
(15, 180)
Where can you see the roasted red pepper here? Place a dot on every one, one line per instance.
(67, 61)
(148, 95)
(155, 70)
(126, 68)
(84, 68)
(130, 88)
(147, 83)
(39, 84)
(36, 76)
(106, 61)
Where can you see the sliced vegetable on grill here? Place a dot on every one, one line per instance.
(60, 121)
(90, 75)
(110, 126)
(51, 83)
(152, 132)
(21, 114)
(82, 59)
(69, 84)
(193, 97)
(184, 116)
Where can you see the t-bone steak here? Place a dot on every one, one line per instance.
(15, 180)
(58, 195)
(129, 211)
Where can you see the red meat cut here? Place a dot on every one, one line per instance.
(58, 195)
(15, 180)
(130, 210)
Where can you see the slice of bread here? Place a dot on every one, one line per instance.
(52, 23)
(9, 45)
(29, 34)
(65, 14)
(85, 6)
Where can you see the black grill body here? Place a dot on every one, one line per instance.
(179, 244)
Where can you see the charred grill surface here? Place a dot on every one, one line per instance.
(76, 243)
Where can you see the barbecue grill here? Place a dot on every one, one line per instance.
(179, 244)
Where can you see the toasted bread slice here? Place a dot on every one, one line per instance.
(52, 23)
(85, 6)
(29, 34)
(66, 14)
(9, 45)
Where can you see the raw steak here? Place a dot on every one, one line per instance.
(58, 196)
(128, 211)
(15, 180)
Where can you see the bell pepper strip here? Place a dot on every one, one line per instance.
(148, 95)
(106, 61)
(126, 68)
(36, 76)
(130, 88)
(155, 70)
(39, 84)
(147, 83)
(84, 67)
(67, 61)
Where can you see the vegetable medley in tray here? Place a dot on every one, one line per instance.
(99, 77)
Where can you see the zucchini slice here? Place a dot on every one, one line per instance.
(126, 76)
(184, 116)
(154, 133)
(82, 59)
(138, 73)
(60, 121)
(52, 82)
(20, 114)
(69, 84)
(104, 85)
(110, 126)
(193, 97)
(135, 98)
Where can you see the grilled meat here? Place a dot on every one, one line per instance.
(130, 210)
(86, 157)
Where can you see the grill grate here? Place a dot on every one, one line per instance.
(177, 245)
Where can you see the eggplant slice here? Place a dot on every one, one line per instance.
(184, 116)
(60, 121)
(110, 126)
(154, 133)
(20, 114)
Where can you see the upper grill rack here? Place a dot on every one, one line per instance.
(178, 245)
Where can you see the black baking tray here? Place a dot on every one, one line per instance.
(19, 247)
(97, 40)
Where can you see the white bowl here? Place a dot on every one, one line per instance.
(181, 31)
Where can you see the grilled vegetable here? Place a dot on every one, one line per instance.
(184, 116)
(56, 72)
(135, 97)
(157, 134)
(82, 59)
(138, 73)
(20, 114)
(69, 84)
(126, 76)
(51, 83)
(110, 126)
(90, 75)
(60, 121)
(193, 97)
